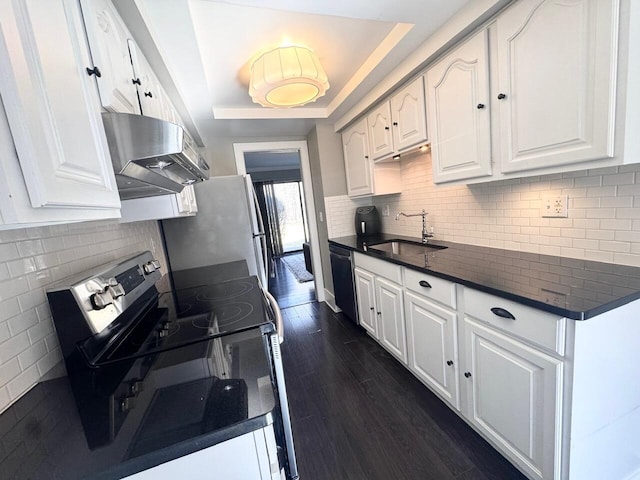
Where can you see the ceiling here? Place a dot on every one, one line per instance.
(206, 47)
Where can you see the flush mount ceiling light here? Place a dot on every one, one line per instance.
(286, 77)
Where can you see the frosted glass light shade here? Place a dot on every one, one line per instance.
(287, 77)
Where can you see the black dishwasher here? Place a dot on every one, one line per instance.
(342, 274)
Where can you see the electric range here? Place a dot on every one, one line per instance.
(174, 371)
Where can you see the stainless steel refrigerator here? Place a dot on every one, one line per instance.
(227, 227)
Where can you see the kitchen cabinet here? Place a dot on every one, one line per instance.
(514, 396)
(181, 204)
(363, 176)
(390, 311)
(458, 100)
(431, 342)
(154, 101)
(109, 42)
(550, 96)
(380, 303)
(556, 82)
(399, 123)
(55, 161)
(512, 359)
(365, 296)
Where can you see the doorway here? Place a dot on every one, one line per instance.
(281, 176)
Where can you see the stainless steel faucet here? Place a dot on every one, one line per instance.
(425, 235)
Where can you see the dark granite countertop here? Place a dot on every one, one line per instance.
(576, 289)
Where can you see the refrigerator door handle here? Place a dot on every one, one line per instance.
(261, 232)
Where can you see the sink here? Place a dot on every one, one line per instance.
(405, 248)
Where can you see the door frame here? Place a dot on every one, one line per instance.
(300, 146)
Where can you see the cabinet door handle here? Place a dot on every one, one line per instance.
(501, 96)
(386, 128)
(424, 283)
(449, 362)
(136, 81)
(501, 312)
(94, 71)
(372, 309)
(467, 374)
(148, 94)
(480, 106)
(366, 157)
(395, 124)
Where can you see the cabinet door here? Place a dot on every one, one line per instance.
(379, 124)
(409, 119)
(147, 84)
(458, 109)
(355, 144)
(366, 298)
(514, 396)
(556, 80)
(390, 311)
(431, 346)
(52, 107)
(108, 40)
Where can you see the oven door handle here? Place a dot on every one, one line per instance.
(276, 310)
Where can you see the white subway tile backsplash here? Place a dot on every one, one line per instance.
(603, 222)
(31, 260)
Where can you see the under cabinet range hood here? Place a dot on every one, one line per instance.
(151, 156)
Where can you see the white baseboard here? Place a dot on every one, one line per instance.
(330, 300)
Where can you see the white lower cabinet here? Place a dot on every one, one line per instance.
(513, 396)
(431, 346)
(380, 303)
(249, 456)
(390, 311)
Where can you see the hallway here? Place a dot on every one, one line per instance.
(287, 290)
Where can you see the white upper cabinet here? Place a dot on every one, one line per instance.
(379, 123)
(399, 123)
(556, 85)
(409, 121)
(108, 38)
(458, 99)
(355, 144)
(53, 112)
(146, 84)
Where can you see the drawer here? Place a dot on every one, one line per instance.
(535, 326)
(385, 269)
(435, 288)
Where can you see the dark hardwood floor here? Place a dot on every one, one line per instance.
(358, 414)
(287, 290)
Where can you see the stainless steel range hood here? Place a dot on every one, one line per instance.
(151, 156)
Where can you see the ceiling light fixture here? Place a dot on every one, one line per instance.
(287, 76)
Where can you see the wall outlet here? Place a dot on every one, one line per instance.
(554, 298)
(555, 207)
(385, 211)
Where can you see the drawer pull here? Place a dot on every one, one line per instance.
(424, 283)
(501, 312)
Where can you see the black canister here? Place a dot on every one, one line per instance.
(367, 221)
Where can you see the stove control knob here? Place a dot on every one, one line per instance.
(151, 267)
(101, 299)
(116, 290)
(127, 403)
(164, 331)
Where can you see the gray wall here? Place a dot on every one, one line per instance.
(318, 197)
(221, 158)
(334, 179)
